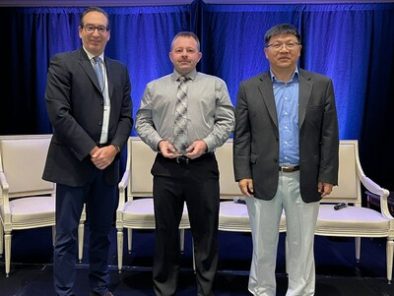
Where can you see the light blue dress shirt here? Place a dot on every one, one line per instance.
(286, 100)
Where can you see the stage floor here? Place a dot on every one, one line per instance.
(337, 272)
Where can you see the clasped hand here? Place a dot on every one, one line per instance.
(195, 150)
(102, 157)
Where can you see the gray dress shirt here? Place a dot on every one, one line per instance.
(210, 112)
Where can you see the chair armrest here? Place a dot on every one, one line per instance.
(4, 198)
(383, 194)
(122, 189)
(3, 183)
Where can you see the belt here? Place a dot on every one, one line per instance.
(184, 160)
(289, 169)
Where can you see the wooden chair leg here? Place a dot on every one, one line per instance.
(1, 240)
(7, 251)
(182, 240)
(120, 249)
(129, 239)
(81, 235)
(389, 259)
(357, 243)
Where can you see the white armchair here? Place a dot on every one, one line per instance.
(354, 220)
(26, 201)
(233, 213)
(135, 209)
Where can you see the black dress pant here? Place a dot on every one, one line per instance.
(195, 182)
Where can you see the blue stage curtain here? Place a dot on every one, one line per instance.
(340, 41)
(351, 43)
(140, 38)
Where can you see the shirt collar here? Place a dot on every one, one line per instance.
(91, 56)
(293, 76)
(192, 75)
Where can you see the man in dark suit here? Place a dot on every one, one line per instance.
(89, 106)
(285, 158)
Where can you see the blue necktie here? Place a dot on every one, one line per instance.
(99, 71)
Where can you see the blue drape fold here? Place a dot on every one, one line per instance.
(351, 43)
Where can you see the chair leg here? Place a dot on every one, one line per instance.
(81, 235)
(129, 239)
(357, 242)
(7, 245)
(389, 259)
(120, 249)
(193, 258)
(1, 240)
(53, 235)
(182, 240)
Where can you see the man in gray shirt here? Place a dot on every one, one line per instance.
(185, 116)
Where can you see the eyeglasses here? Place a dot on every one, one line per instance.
(278, 45)
(91, 29)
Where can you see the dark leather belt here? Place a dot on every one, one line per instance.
(183, 160)
(289, 169)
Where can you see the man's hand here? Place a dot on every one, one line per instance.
(196, 149)
(104, 156)
(167, 149)
(324, 188)
(246, 186)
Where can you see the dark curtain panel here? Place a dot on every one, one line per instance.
(351, 43)
(140, 38)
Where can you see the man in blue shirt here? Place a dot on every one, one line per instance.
(285, 158)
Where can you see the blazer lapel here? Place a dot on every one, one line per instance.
(304, 95)
(109, 69)
(266, 90)
(87, 67)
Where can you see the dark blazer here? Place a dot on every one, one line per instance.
(75, 108)
(256, 138)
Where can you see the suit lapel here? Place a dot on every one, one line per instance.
(109, 69)
(304, 95)
(87, 67)
(266, 90)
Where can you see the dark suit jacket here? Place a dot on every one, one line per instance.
(256, 138)
(75, 107)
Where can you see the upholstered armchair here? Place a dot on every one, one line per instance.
(26, 201)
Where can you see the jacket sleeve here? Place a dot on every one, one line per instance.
(242, 137)
(329, 148)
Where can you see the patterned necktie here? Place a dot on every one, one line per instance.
(180, 123)
(99, 71)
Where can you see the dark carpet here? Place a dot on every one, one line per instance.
(338, 274)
